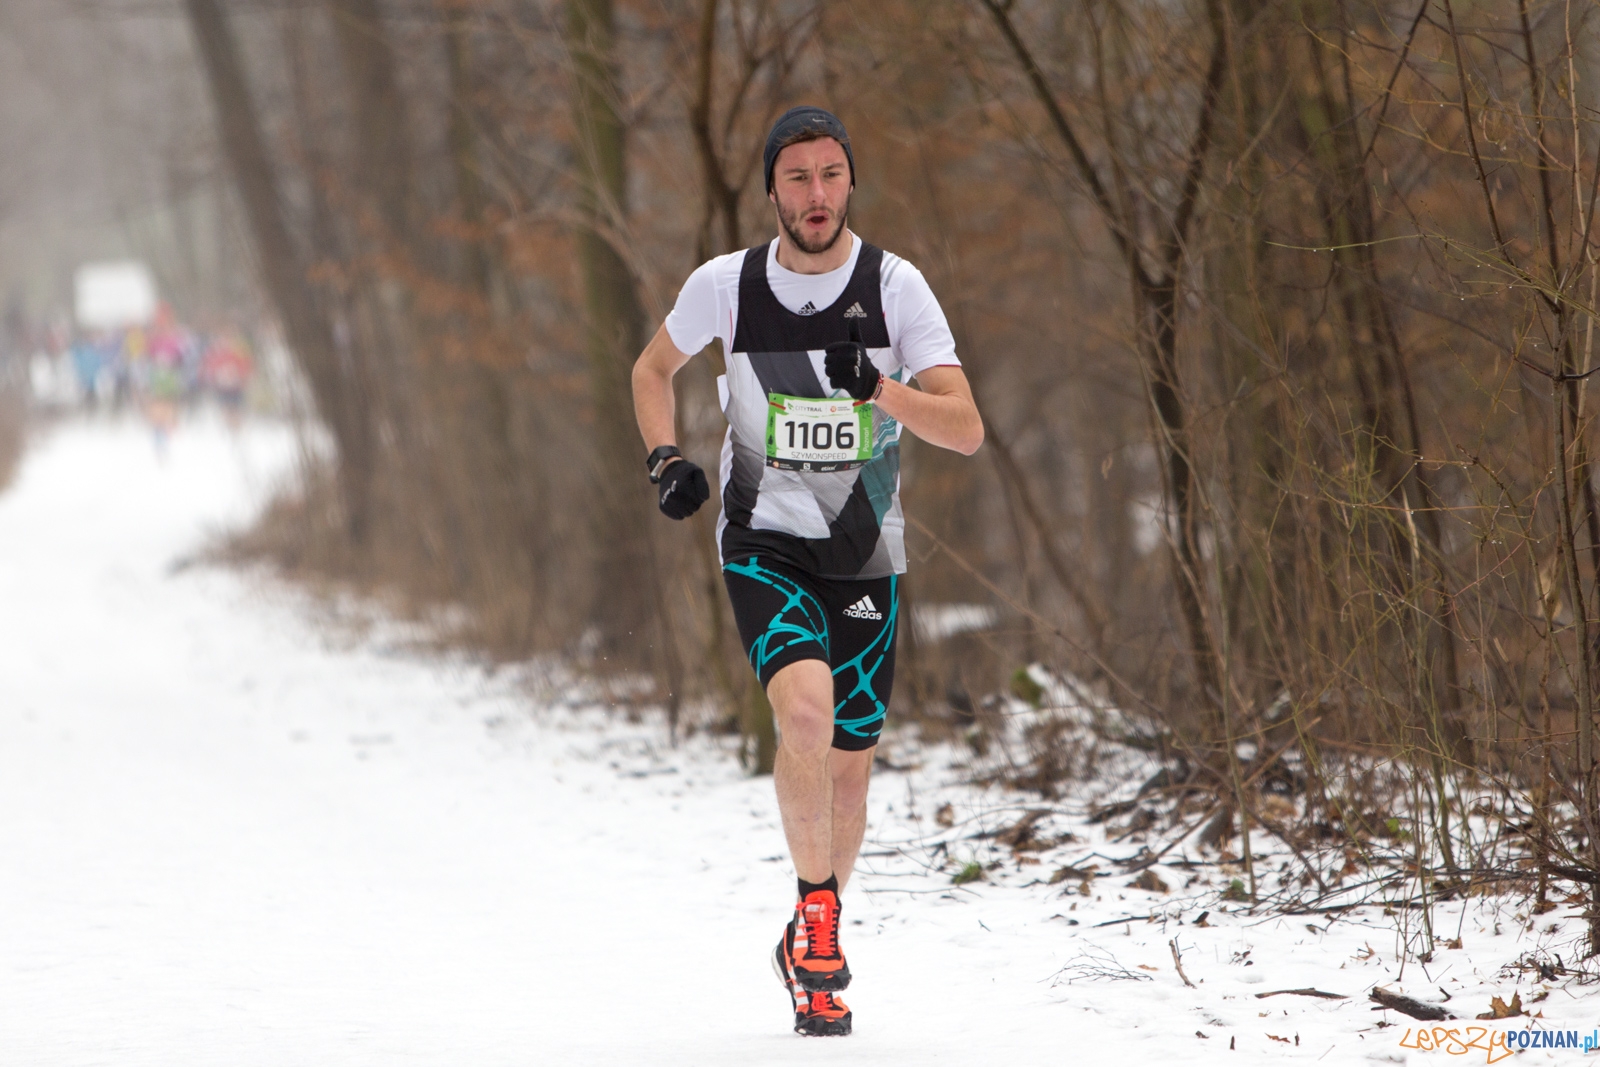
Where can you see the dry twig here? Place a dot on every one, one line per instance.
(1177, 961)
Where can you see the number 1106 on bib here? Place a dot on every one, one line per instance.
(806, 434)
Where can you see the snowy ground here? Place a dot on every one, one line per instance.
(231, 836)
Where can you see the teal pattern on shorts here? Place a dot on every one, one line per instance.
(866, 665)
(801, 619)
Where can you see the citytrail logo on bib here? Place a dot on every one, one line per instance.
(864, 609)
(855, 311)
(809, 309)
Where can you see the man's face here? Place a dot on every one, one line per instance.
(811, 186)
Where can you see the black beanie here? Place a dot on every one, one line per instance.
(800, 119)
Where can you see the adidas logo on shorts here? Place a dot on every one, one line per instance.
(864, 609)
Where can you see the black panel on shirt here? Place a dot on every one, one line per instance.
(852, 537)
(765, 325)
(789, 373)
(777, 342)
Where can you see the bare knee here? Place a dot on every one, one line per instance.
(849, 795)
(807, 727)
(851, 774)
(802, 699)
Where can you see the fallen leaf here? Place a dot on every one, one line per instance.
(1151, 881)
(1147, 967)
(1020, 835)
(1499, 1009)
(1063, 873)
(946, 815)
(1285, 1040)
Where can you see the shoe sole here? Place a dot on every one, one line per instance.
(829, 982)
(822, 1027)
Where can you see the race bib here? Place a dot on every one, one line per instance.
(807, 434)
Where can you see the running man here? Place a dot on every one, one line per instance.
(821, 333)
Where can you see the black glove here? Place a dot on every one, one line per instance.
(850, 368)
(683, 489)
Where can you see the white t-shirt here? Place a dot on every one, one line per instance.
(708, 305)
(835, 521)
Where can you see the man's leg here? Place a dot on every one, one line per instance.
(802, 700)
(848, 773)
(822, 791)
(809, 959)
(785, 620)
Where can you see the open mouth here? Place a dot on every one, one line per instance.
(818, 218)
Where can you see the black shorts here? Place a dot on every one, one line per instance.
(785, 616)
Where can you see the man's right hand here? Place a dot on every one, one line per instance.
(683, 489)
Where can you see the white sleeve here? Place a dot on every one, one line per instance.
(693, 321)
(917, 326)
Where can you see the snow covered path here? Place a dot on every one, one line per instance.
(226, 843)
(228, 839)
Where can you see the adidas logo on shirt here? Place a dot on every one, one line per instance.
(864, 608)
(855, 311)
(809, 309)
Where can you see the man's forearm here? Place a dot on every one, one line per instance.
(655, 406)
(948, 420)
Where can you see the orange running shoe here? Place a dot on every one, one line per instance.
(824, 1015)
(812, 939)
(815, 1014)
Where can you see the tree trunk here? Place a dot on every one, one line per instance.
(613, 337)
(1155, 299)
(490, 420)
(383, 142)
(282, 272)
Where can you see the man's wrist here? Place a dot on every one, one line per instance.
(659, 460)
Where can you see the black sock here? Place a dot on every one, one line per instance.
(807, 888)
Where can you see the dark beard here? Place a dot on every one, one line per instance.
(788, 222)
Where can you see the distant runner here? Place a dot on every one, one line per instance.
(811, 533)
(226, 368)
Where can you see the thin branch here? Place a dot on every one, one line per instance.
(1546, 195)
(1121, 226)
(1472, 139)
(1388, 90)
(1200, 145)
(1177, 961)
(982, 579)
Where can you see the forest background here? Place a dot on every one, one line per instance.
(1280, 316)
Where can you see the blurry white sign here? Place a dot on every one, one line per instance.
(108, 296)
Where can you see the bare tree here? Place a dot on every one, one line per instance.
(282, 270)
